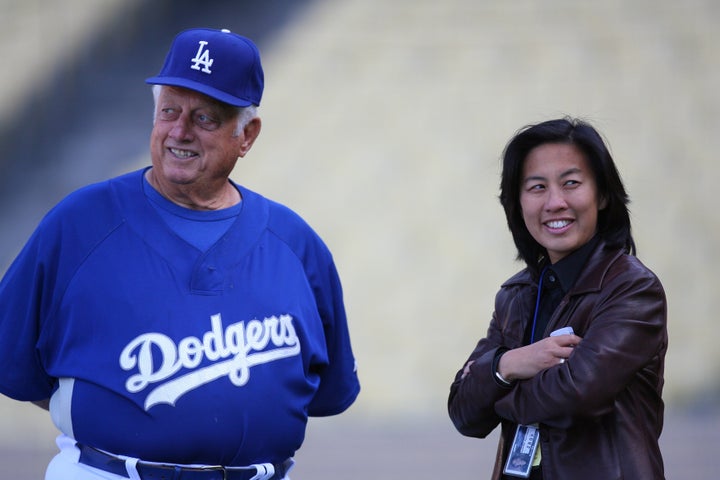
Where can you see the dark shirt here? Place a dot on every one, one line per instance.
(557, 279)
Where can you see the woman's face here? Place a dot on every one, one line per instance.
(559, 198)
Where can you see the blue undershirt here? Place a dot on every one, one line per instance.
(200, 228)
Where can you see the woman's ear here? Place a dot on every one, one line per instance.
(602, 203)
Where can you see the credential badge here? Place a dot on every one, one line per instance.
(202, 58)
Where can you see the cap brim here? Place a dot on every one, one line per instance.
(199, 87)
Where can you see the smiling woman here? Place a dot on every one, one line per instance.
(559, 198)
(564, 398)
(613, 218)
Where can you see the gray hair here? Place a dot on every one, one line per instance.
(244, 114)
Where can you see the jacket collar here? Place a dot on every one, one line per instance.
(591, 276)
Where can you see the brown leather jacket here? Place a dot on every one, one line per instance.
(600, 412)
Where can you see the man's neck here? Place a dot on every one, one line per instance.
(194, 198)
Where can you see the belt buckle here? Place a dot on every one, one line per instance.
(215, 468)
(264, 471)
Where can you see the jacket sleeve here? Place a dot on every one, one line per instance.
(624, 340)
(471, 403)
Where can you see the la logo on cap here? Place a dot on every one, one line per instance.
(218, 63)
(202, 57)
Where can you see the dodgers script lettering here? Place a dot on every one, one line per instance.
(240, 346)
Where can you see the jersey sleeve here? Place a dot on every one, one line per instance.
(34, 284)
(339, 384)
(22, 303)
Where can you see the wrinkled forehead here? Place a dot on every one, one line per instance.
(187, 98)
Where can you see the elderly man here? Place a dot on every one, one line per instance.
(176, 324)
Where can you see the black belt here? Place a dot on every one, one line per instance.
(95, 458)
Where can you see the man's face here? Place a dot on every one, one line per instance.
(193, 140)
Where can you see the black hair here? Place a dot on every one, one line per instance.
(613, 220)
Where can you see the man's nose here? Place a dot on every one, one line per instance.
(181, 130)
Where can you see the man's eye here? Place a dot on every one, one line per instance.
(168, 113)
(206, 122)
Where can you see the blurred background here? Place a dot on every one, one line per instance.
(383, 124)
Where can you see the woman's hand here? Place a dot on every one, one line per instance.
(526, 362)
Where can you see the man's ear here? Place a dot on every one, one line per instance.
(250, 133)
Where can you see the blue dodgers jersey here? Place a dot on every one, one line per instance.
(177, 355)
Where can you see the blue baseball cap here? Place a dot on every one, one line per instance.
(218, 63)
